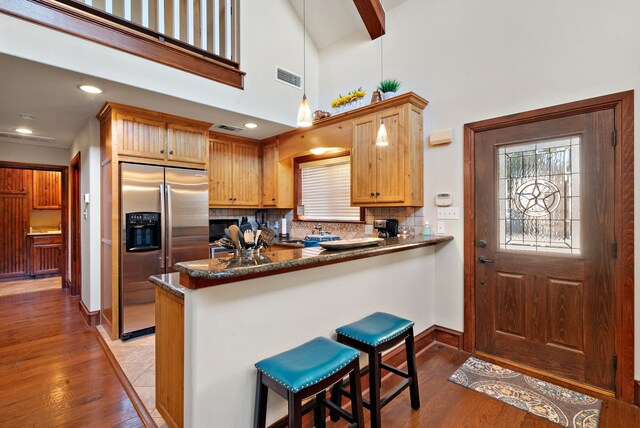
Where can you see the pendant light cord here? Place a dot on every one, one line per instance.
(381, 62)
(304, 46)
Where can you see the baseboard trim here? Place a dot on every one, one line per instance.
(92, 318)
(142, 411)
(396, 357)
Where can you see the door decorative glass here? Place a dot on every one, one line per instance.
(539, 196)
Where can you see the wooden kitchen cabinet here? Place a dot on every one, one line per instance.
(46, 252)
(155, 138)
(234, 172)
(46, 190)
(277, 178)
(389, 175)
(187, 144)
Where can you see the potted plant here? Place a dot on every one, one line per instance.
(388, 88)
(348, 102)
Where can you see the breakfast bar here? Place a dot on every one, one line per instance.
(216, 318)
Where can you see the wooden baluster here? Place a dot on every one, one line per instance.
(215, 28)
(145, 13)
(127, 10)
(227, 29)
(161, 16)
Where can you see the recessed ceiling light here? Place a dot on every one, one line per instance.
(319, 150)
(250, 125)
(24, 131)
(90, 89)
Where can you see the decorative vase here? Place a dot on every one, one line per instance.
(387, 95)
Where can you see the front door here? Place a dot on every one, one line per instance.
(545, 245)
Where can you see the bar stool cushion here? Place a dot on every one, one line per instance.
(308, 363)
(376, 328)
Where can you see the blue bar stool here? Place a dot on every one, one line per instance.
(305, 371)
(373, 335)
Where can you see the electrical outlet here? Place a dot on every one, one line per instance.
(441, 229)
(449, 213)
(368, 229)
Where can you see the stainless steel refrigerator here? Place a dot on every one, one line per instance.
(164, 220)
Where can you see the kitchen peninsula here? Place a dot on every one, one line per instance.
(217, 317)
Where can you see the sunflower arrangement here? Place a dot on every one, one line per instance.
(349, 98)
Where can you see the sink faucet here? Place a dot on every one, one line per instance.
(318, 228)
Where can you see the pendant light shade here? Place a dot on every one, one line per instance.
(382, 139)
(304, 113)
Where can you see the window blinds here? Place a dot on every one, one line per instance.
(326, 190)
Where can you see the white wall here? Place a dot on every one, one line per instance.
(31, 154)
(480, 59)
(87, 142)
(270, 35)
(276, 313)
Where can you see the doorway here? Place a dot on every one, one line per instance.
(34, 201)
(75, 271)
(548, 244)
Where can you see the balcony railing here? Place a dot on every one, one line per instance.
(209, 25)
(198, 36)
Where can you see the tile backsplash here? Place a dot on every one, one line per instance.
(411, 218)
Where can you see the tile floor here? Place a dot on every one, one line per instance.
(137, 360)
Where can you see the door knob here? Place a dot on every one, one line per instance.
(484, 259)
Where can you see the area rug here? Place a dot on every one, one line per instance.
(555, 403)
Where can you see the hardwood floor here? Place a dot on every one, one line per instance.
(445, 404)
(53, 371)
(8, 288)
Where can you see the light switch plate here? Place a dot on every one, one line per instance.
(368, 229)
(441, 228)
(449, 213)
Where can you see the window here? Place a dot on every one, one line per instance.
(324, 192)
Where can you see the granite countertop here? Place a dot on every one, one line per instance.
(48, 232)
(206, 273)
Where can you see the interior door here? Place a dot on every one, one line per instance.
(545, 245)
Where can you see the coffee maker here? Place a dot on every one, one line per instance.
(386, 228)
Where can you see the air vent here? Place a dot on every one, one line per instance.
(22, 137)
(229, 128)
(288, 78)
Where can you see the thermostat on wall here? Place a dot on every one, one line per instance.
(444, 199)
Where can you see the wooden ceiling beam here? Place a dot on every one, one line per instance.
(372, 13)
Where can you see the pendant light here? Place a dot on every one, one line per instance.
(382, 139)
(304, 112)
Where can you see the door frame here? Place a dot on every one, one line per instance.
(75, 228)
(64, 211)
(622, 104)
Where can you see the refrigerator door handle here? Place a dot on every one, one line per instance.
(169, 240)
(162, 226)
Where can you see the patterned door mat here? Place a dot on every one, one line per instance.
(555, 403)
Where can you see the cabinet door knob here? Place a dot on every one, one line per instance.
(161, 150)
(231, 199)
(373, 193)
(170, 152)
(234, 199)
(273, 199)
(377, 193)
